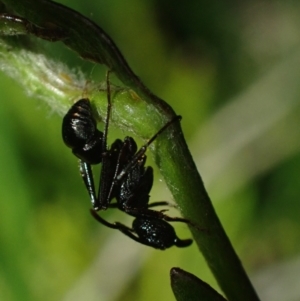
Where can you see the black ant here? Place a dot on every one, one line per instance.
(123, 176)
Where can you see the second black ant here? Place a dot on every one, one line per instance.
(123, 176)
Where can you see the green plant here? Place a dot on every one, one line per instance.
(143, 114)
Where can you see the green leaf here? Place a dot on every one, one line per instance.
(187, 287)
(135, 109)
(52, 21)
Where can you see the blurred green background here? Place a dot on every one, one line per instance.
(232, 70)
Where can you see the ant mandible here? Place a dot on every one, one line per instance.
(123, 176)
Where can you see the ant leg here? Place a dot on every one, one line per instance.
(102, 221)
(104, 188)
(141, 152)
(119, 226)
(108, 112)
(176, 219)
(183, 220)
(113, 205)
(154, 232)
(126, 150)
(182, 243)
(150, 214)
(155, 204)
(161, 203)
(88, 179)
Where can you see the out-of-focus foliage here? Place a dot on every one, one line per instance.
(231, 71)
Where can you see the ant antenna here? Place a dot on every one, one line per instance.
(108, 112)
(178, 117)
(143, 149)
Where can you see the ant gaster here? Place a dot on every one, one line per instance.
(123, 176)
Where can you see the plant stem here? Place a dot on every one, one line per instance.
(139, 111)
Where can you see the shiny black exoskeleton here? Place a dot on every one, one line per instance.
(152, 232)
(79, 132)
(123, 177)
